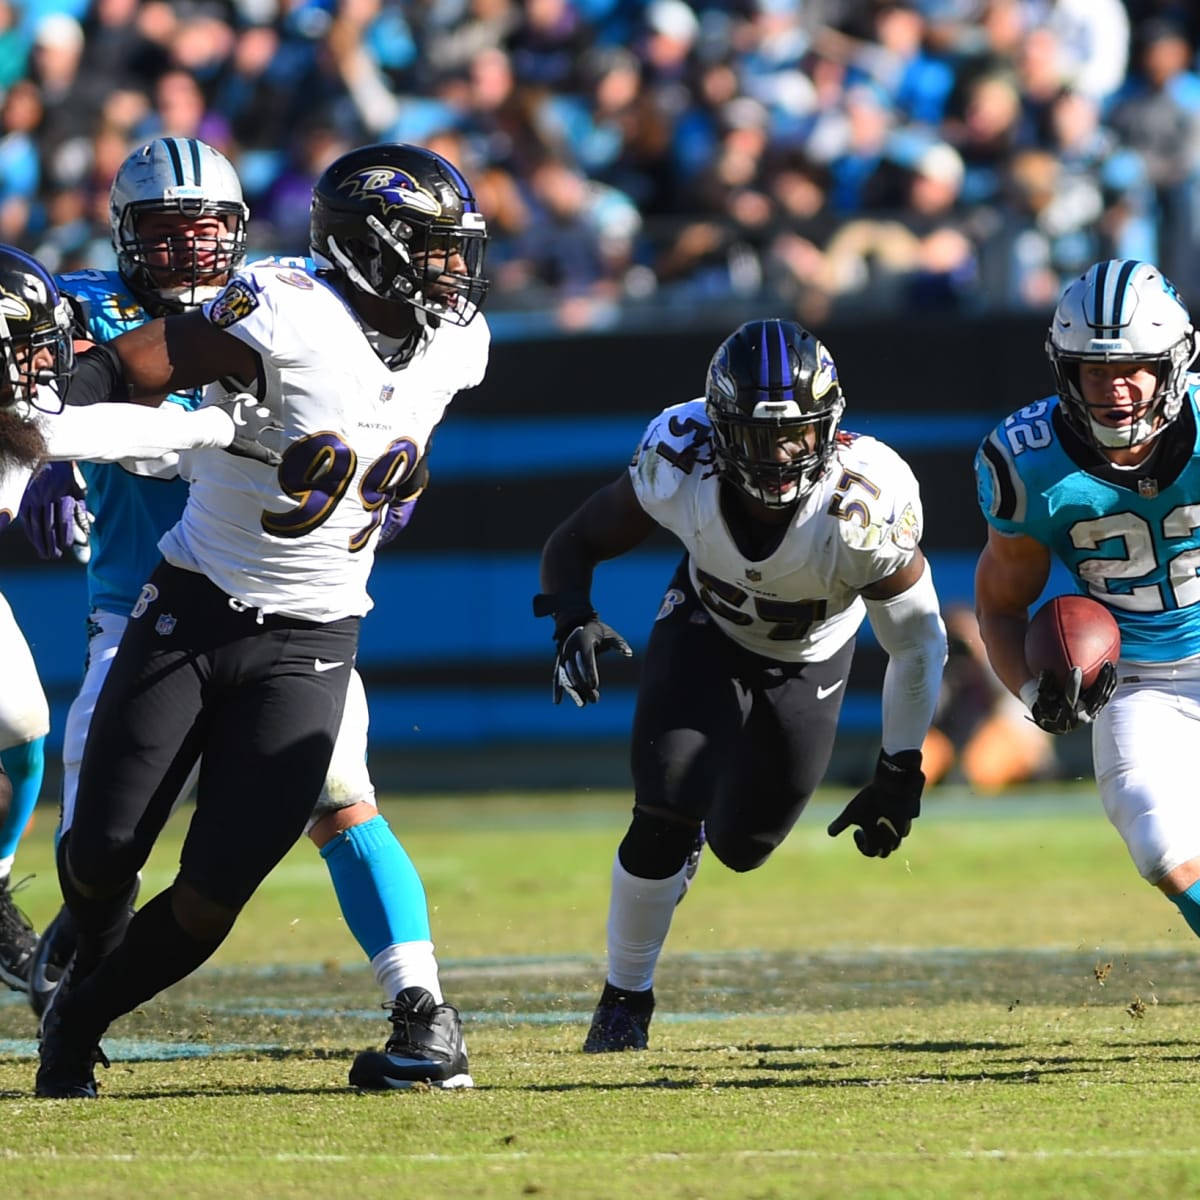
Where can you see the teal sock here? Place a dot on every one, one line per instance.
(1188, 903)
(377, 886)
(25, 764)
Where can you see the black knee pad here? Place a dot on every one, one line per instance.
(655, 846)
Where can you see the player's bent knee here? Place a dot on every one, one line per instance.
(199, 917)
(657, 843)
(740, 854)
(323, 827)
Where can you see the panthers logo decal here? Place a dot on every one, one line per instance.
(392, 188)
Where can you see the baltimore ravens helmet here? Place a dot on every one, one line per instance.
(188, 179)
(1121, 310)
(774, 401)
(34, 317)
(400, 223)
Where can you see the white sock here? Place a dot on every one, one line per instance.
(639, 919)
(407, 964)
(6, 866)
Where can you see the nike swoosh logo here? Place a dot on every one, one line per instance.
(822, 692)
(321, 665)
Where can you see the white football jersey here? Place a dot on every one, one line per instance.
(299, 539)
(859, 524)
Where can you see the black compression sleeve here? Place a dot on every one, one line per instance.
(98, 376)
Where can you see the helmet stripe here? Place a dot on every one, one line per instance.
(764, 359)
(1111, 293)
(784, 375)
(194, 147)
(172, 145)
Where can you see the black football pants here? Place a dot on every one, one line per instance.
(198, 674)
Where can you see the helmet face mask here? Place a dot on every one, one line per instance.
(1122, 312)
(178, 223)
(35, 337)
(774, 402)
(400, 223)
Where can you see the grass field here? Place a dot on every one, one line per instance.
(1002, 1009)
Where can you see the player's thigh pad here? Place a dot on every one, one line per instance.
(1143, 747)
(348, 780)
(24, 712)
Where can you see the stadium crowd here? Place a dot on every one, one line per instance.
(808, 155)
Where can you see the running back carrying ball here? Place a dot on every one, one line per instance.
(1072, 631)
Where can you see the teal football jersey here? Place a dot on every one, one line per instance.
(131, 511)
(1135, 549)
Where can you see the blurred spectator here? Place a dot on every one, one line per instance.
(179, 109)
(916, 83)
(70, 98)
(1094, 38)
(987, 134)
(1157, 113)
(14, 46)
(548, 46)
(20, 168)
(981, 731)
(577, 247)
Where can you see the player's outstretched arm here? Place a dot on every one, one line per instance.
(170, 354)
(608, 524)
(906, 617)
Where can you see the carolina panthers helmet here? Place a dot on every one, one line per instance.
(34, 316)
(400, 223)
(774, 402)
(1122, 311)
(187, 178)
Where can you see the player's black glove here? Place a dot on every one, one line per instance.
(1061, 709)
(580, 635)
(886, 808)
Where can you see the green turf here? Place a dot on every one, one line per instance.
(1003, 1009)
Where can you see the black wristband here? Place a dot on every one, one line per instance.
(569, 610)
(903, 761)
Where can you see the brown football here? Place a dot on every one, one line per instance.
(1071, 631)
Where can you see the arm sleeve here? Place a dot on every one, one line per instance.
(910, 628)
(98, 377)
(111, 432)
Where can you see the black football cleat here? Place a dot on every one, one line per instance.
(67, 1055)
(426, 1048)
(621, 1021)
(18, 941)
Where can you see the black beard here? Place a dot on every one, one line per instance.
(21, 442)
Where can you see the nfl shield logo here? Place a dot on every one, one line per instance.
(753, 576)
(386, 392)
(165, 625)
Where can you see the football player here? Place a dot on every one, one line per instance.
(178, 223)
(1104, 477)
(792, 532)
(38, 368)
(239, 651)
